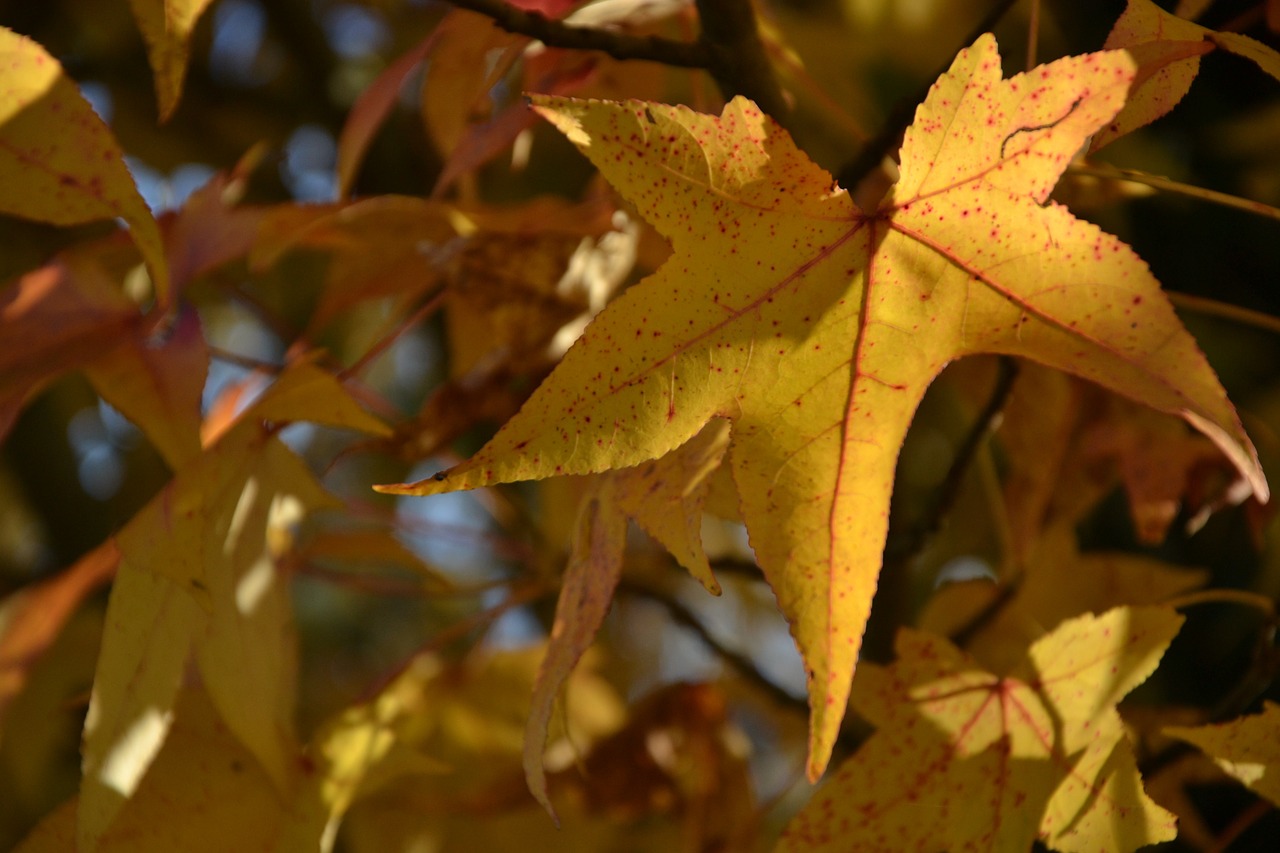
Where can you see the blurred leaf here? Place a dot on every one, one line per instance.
(166, 27)
(1247, 748)
(1056, 583)
(204, 792)
(56, 318)
(157, 383)
(32, 618)
(371, 109)
(58, 162)
(456, 730)
(470, 58)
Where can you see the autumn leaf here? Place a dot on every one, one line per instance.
(58, 162)
(197, 578)
(1056, 583)
(1167, 50)
(815, 328)
(154, 376)
(166, 27)
(992, 763)
(453, 729)
(32, 618)
(1247, 749)
(233, 805)
(665, 497)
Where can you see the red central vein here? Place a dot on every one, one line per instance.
(855, 362)
(1027, 307)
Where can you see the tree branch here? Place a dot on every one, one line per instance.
(729, 47)
(739, 63)
(883, 143)
(890, 601)
(555, 33)
(686, 618)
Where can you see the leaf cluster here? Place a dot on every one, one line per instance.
(440, 488)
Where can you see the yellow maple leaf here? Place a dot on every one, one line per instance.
(990, 762)
(816, 327)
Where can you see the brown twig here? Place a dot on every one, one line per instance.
(745, 666)
(902, 549)
(729, 46)
(738, 61)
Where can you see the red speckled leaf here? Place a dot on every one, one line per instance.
(58, 162)
(1167, 50)
(989, 762)
(816, 327)
(665, 497)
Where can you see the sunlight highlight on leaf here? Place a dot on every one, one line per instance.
(58, 162)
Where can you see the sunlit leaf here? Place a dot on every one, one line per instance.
(58, 162)
(992, 763)
(816, 328)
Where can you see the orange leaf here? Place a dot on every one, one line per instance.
(158, 384)
(166, 27)
(54, 319)
(371, 110)
(31, 618)
(991, 763)
(816, 328)
(58, 162)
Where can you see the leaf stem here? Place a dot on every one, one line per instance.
(1109, 172)
(382, 344)
(1225, 596)
(1227, 311)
